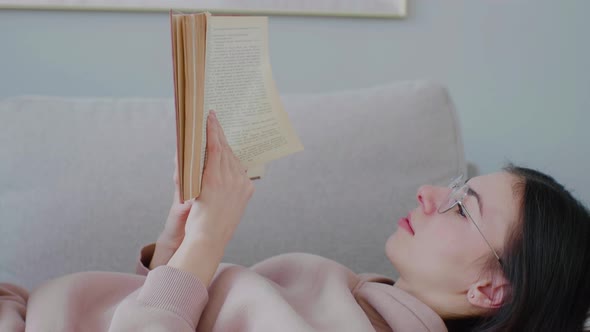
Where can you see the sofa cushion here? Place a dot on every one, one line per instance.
(84, 183)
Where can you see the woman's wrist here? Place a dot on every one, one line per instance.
(199, 255)
(162, 253)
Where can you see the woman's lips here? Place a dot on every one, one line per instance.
(405, 224)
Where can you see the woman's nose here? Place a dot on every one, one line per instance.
(427, 197)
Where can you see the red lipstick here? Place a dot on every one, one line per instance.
(405, 224)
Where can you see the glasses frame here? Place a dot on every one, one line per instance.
(457, 185)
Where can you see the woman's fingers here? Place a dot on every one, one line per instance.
(213, 144)
(229, 161)
(238, 167)
(222, 137)
(176, 180)
(224, 158)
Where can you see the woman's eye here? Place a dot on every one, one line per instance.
(460, 211)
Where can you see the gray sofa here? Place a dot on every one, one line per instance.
(84, 183)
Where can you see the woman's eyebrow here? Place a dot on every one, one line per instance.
(474, 193)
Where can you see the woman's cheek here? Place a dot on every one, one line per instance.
(449, 242)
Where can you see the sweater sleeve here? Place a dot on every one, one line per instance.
(169, 300)
(13, 308)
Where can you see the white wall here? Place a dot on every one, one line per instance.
(518, 71)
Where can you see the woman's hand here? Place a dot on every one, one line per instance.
(226, 190)
(216, 213)
(173, 233)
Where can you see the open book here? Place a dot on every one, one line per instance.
(221, 63)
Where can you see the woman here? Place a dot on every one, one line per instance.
(505, 252)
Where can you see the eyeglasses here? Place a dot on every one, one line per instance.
(459, 190)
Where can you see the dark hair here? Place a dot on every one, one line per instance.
(546, 260)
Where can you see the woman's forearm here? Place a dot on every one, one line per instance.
(200, 256)
(162, 255)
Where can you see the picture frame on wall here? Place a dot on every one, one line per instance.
(343, 8)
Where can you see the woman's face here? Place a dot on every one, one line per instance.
(444, 253)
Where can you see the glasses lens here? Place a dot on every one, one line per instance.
(456, 182)
(455, 194)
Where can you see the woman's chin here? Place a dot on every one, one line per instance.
(392, 246)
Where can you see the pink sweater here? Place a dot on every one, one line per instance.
(291, 292)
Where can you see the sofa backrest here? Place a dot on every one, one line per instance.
(84, 183)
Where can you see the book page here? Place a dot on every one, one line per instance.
(240, 88)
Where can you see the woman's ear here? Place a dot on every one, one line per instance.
(490, 292)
